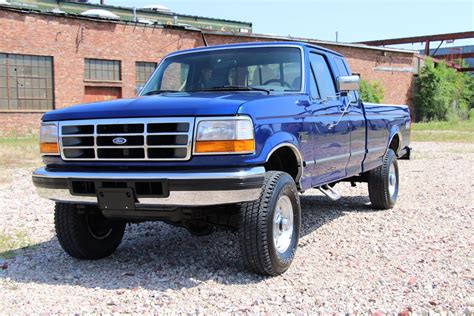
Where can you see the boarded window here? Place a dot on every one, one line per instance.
(102, 70)
(97, 94)
(26, 82)
(143, 70)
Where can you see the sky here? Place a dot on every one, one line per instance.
(320, 19)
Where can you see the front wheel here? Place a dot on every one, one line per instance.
(383, 182)
(270, 226)
(86, 235)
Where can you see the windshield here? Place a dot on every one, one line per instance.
(268, 68)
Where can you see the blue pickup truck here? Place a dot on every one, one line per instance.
(220, 137)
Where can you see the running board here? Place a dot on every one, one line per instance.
(330, 192)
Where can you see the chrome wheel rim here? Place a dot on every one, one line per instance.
(392, 180)
(283, 224)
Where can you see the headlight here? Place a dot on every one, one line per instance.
(49, 138)
(233, 135)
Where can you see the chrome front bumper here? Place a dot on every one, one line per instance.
(199, 188)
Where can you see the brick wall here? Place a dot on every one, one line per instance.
(69, 40)
(19, 124)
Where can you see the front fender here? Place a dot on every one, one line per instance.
(278, 140)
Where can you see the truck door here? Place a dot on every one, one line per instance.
(331, 130)
(357, 123)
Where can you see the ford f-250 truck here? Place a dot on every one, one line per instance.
(223, 136)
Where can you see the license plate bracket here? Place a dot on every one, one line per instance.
(116, 199)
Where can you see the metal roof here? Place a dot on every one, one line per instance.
(128, 14)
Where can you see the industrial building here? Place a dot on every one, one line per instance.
(52, 56)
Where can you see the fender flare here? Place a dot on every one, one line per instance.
(394, 131)
(280, 140)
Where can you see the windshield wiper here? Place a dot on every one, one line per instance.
(159, 92)
(235, 88)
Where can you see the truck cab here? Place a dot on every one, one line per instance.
(220, 137)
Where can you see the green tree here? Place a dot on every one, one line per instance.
(442, 93)
(372, 92)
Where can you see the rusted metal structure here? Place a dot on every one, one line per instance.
(450, 58)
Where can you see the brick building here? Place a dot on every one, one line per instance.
(50, 61)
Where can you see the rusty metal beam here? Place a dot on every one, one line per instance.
(456, 55)
(471, 69)
(419, 39)
(427, 48)
(437, 60)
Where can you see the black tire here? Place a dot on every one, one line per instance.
(380, 194)
(256, 229)
(86, 235)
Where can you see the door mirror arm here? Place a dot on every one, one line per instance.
(345, 110)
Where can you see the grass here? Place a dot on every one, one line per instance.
(11, 242)
(459, 132)
(17, 152)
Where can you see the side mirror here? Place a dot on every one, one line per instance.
(348, 83)
(138, 89)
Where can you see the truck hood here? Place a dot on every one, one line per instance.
(169, 104)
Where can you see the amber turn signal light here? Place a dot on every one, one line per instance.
(49, 148)
(225, 146)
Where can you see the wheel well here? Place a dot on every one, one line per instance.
(284, 159)
(395, 144)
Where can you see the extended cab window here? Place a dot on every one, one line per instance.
(343, 71)
(323, 76)
(272, 68)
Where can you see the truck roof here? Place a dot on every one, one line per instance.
(237, 45)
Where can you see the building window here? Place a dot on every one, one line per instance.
(143, 71)
(102, 70)
(26, 82)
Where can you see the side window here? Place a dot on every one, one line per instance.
(343, 71)
(323, 76)
(313, 88)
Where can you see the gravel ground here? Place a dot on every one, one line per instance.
(416, 257)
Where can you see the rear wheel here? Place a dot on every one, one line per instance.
(86, 235)
(383, 182)
(270, 226)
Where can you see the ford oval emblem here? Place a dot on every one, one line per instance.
(119, 140)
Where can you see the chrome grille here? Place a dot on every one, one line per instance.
(159, 139)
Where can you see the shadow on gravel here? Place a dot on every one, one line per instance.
(156, 256)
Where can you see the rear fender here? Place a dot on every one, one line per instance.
(394, 131)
